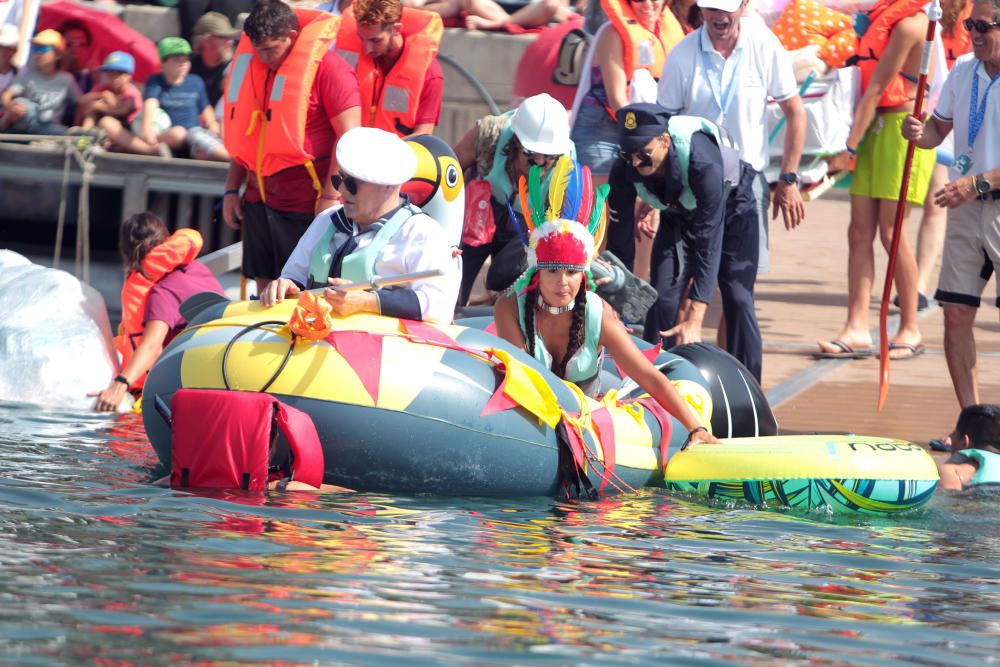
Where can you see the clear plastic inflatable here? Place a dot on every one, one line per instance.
(55, 337)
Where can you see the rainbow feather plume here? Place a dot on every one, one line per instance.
(522, 193)
(535, 197)
(597, 217)
(517, 224)
(586, 196)
(562, 173)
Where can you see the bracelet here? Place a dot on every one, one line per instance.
(691, 434)
(230, 192)
(124, 381)
(852, 151)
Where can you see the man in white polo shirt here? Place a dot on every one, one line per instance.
(970, 103)
(724, 71)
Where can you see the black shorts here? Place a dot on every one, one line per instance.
(269, 237)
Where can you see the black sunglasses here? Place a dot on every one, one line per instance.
(982, 27)
(645, 158)
(349, 182)
(531, 154)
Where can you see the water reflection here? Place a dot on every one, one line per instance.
(102, 566)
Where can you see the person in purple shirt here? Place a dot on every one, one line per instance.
(140, 234)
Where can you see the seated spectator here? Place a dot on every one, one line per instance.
(80, 56)
(8, 47)
(338, 7)
(213, 44)
(182, 97)
(976, 446)
(491, 15)
(115, 102)
(37, 100)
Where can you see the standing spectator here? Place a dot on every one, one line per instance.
(182, 97)
(116, 101)
(708, 232)
(499, 151)
(394, 50)
(286, 164)
(725, 71)
(972, 240)
(889, 54)
(8, 47)
(213, 44)
(688, 14)
(37, 100)
(79, 53)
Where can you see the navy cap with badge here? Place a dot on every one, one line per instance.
(638, 124)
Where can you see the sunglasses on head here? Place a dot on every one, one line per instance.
(532, 154)
(349, 182)
(982, 27)
(43, 48)
(645, 158)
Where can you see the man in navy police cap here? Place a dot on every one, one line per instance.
(708, 229)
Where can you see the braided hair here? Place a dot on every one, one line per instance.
(577, 331)
(530, 299)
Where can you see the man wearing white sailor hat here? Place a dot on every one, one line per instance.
(376, 231)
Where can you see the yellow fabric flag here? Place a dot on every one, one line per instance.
(526, 387)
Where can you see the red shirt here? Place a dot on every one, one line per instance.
(166, 297)
(130, 93)
(335, 90)
(429, 110)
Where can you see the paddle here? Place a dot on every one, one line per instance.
(379, 281)
(934, 14)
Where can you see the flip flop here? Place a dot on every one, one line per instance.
(847, 352)
(914, 350)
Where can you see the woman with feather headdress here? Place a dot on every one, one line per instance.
(552, 312)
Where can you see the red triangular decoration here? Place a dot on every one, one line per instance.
(499, 401)
(606, 432)
(363, 351)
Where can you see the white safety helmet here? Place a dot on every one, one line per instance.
(541, 124)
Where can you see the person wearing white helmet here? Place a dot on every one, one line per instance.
(495, 154)
(374, 231)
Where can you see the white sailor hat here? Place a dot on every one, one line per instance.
(376, 156)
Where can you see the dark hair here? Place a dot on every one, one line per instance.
(577, 330)
(73, 24)
(138, 235)
(270, 19)
(982, 424)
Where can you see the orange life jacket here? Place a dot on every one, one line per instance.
(959, 42)
(180, 249)
(390, 102)
(643, 49)
(264, 120)
(884, 16)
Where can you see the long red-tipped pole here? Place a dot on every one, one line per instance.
(934, 14)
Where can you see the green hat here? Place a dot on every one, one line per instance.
(173, 46)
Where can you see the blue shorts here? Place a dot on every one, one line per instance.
(31, 122)
(596, 139)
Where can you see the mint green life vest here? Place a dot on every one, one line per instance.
(359, 266)
(681, 129)
(988, 471)
(586, 362)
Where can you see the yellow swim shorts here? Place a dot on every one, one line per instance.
(878, 169)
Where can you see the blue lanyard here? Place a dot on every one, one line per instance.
(722, 98)
(977, 107)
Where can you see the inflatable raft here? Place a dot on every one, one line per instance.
(410, 407)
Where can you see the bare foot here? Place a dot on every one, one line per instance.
(905, 347)
(473, 22)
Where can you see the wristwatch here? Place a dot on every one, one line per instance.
(789, 177)
(982, 186)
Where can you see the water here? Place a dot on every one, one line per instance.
(101, 567)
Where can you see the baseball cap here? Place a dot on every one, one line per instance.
(214, 23)
(721, 5)
(173, 46)
(376, 156)
(119, 61)
(8, 35)
(638, 124)
(49, 37)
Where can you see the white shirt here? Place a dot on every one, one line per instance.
(953, 107)
(764, 69)
(419, 245)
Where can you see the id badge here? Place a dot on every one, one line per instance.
(962, 164)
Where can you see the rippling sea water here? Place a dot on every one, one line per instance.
(101, 567)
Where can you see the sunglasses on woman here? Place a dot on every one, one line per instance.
(349, 182)
(645, 158)
(42, 48)
(980, 26)
(532, 154)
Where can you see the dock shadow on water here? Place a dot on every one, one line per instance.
(101, 566)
